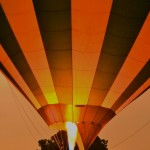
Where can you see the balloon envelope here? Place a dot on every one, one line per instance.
(76, 60)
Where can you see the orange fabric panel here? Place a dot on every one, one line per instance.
(82, 81)
(137, 58)
(17, 77)
(93, 10)
(137, 93)
(11, 6)
(90, 113)
(24, 25)
(47, 115)
(96, 96)
(84, 131)
(89, 22)
(56, 110)
(26, 40)
(36, 59)
(86, 42)
(81, 64)
(65, 94)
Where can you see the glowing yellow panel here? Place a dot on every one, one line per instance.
(67, 112)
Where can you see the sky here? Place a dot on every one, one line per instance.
(130, 129)
(21, 127)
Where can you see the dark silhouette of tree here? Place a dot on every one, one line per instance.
(48, 144)
(99, 144)
(58, 141)
(62, 143)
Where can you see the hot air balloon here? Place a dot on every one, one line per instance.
(76, 61)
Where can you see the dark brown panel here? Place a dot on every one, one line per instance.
(100, 114)
(60, 55)
(54, 19)
(107, 117)
(88, 132)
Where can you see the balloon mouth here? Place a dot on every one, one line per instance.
(72, 134)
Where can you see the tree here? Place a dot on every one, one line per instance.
(48, 144)
(99, 144)
(62, 143)
(57, 142)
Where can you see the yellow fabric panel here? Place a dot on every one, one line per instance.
(79, 113)
(67, 112)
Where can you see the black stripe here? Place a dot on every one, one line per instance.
(14, 52)
(56, 40)
(121, 34)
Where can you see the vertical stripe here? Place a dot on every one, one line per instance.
(137, 58)
(24, 25)
(8, 41)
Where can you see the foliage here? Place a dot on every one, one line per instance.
(48, 144)
(99, 144)
(60, 141)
